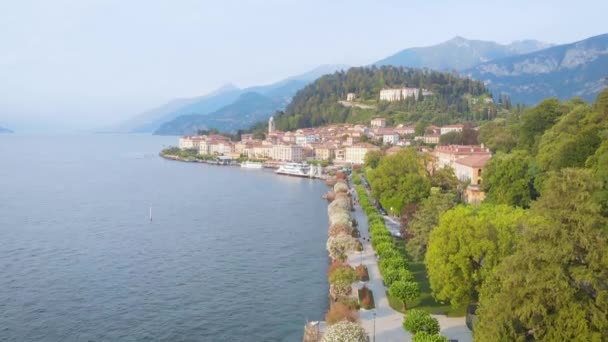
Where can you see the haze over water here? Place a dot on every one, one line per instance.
(231, 254)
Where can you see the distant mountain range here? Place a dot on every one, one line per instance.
(528, 71)
(578, 69)
(459, 54)
(228, 108)
(5, 130)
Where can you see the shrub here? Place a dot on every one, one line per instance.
(345, 331)
(330, 196)
(340, 187)
(340, 312)
(338, 246)
(420, 321)
(392, 262)
(330, 181)
(366, 298)
(363, 274)
(351, 302)
(335, 265)
(343, 276)
(340, 228)
(340, 175)
(336, 291)
(422, 336)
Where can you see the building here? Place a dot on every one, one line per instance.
(246, 137)
(323, 152)
(356, 154)
(470, 168)
(271, 125)
(191, 142)
(447, 155)
(398, 94)
(390, 137)
(378, 123)
(451, 128)
(287, 152)
(220, 147)
(351, 97)
(431, 139)
(405, 130)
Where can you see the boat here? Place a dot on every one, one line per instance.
(295, 169)
(251, 165)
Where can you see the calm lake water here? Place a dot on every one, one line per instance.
(231, 254)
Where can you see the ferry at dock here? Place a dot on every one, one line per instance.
(299, 170)
(251, 165)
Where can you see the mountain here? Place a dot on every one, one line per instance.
(5, 130)
(233, 109)
(150, 120)
(578, 69)
(459, 53)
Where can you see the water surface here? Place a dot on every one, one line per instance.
(231, 254)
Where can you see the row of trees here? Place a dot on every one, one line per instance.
(395, 273)
(343, 315)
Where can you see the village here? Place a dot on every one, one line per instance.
(346, 145)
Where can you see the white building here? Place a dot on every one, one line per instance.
(271, 125)
(378, 123)
(351, 97)
(191, 142)
(398, 94)
(390, 138)
(356, 154)
(451, 128)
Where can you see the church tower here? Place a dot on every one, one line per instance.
(271, 125)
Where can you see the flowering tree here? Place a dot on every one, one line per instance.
(340, 228)
(345, 331)
(339, 245)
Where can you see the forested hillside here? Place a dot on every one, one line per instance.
(454, 98)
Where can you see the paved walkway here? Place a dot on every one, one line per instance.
(387, 323)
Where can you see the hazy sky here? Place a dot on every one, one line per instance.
(86, 63)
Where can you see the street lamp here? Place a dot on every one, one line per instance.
(374, 325)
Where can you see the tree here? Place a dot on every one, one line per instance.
(345, 331)
(340, 312)
(445, 179)
(405, 291)
(416, 321)
(468, 243)
(343, 276)
(498, 136)
(391, 275)
(451, 138)
(400, 179)
(339, 246)
(372, 159)
(554, 287)
(425, 220)
(535, 121)
(509, 179)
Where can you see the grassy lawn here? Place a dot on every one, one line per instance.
(426, 301)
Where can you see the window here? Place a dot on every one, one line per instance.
(478, 172)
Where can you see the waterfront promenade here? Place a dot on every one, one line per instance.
(386, 324)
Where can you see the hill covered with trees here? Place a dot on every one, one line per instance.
(454, 99)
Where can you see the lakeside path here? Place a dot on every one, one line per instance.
(388, 322)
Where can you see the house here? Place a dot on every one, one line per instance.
(351, 97)
(246, 137)
(287, 152)
(470, 168)
(389, 136)
(378, 123)
(405, 130)
(447, 155)
(398, 94)
(431, 138)
(323, 152)
(191, 142)
(355, 154)
(451, 128)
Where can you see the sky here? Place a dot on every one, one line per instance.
(84, 64)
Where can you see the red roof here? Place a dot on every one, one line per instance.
(476, 161)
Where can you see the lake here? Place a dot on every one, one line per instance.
(230, 255)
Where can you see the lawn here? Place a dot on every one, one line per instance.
(426, 301)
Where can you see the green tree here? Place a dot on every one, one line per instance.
(497, 135)
(400, 179)
(445, 179)
(466, 246)
(416, 321)
(509, 179)
(405, 291)
(554, 287)
(425, 220)
(372, 159)
(536, 120)
(343, 276)
(451, 138)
